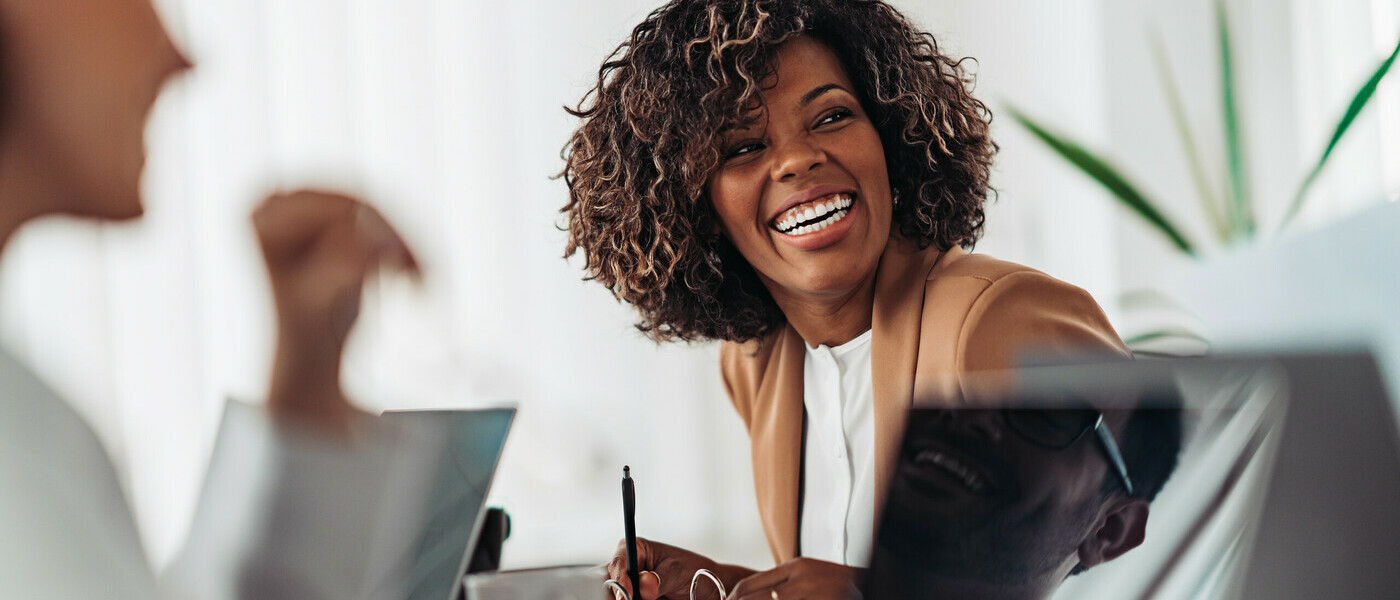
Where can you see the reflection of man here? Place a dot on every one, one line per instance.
(1006, 504)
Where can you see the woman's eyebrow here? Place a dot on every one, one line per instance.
(808, 97)
(739, 127)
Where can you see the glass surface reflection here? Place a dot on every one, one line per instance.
(1008, 500)
(1144, 477)
(1252, 477)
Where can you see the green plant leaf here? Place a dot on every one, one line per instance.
(1149, 299)
(1209, 204)
(1358, 102)
(1108, 177)
(1241, 216)
(1164, 333)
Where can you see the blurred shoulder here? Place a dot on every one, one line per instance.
(62, 506)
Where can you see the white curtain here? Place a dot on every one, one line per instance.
(447, 114)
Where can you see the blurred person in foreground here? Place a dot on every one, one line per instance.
(78, 78)
(990, 504)
(800, 179)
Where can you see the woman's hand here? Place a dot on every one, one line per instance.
(319, 249)
(801, 579)
(667, 570)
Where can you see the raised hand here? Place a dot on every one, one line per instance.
(320, 248)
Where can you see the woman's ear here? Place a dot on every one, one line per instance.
(716, 224)
(1120, 529)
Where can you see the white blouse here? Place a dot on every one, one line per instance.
(838, 502)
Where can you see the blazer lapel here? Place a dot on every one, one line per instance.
(894, 350)
(781, 394)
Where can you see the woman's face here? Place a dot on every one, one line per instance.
(79, 78)
(803, 192)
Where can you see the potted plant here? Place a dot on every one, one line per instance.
(1231, 214)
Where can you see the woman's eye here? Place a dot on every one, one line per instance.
(835, 116)
(743, 149)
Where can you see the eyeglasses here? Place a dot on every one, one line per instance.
(1059, 429)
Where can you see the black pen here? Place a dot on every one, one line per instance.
(629, 522)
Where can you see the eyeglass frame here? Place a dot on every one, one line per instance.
(1100, 429)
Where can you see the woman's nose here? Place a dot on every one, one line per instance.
(796, 157)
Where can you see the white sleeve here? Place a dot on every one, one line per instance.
(65, 528)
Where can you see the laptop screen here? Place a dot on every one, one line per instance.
(458, 500)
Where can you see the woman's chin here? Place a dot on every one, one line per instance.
(129, 214)
(828, 263)
(830, 274)
(112, 207)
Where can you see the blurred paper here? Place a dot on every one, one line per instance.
(558, 583)
(1337, 287)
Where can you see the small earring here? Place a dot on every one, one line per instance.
(894, 194)
(712, 258)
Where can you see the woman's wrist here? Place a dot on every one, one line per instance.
(731, 575)
(305, 389)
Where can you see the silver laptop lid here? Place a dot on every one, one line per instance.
(457, 505)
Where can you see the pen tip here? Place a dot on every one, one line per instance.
(626, 470)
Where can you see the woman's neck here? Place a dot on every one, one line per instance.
(831, 318)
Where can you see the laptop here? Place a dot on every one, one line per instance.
(456, 507)
(393, 514)
(1287, 486)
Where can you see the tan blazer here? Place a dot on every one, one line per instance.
(937, 316)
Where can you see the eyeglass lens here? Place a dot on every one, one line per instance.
(1051, 428)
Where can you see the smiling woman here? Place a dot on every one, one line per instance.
(689, 84)
(803, 194)
(799, 179)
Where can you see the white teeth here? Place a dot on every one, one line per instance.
(836, 204)
(969, 479)
(820, 225)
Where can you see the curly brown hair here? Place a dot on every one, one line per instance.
(651, 128)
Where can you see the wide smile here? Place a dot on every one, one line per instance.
(815, 216)
(947, 469)
(949, 465)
